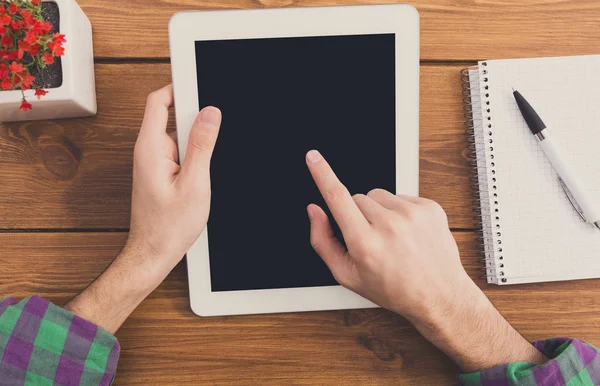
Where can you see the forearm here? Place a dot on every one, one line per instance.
(474, 334)
(113, 296)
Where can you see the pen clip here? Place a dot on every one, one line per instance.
(571, 199)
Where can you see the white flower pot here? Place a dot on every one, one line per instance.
(76, 97)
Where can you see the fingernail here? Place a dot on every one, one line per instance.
(309, 210)
(210, 115)
(313, 156)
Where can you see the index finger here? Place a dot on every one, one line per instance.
(156, 115)
(343, 208)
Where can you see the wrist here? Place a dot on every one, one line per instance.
(452, 319)
(474, 334)
(113, 296)
(151, 264)
(140, 277)
(447, 305)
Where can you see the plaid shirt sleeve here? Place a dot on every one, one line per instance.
(572, 362)
(43, 344)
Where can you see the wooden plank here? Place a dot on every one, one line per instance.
(163, 342)
(76, 173)
(450, 29)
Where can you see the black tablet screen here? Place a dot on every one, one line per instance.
(281, 97)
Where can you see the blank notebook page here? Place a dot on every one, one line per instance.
(543, 238)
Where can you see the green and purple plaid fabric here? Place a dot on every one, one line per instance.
(572, 362)
(43, 344)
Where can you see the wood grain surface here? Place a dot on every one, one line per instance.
(76, 173)
(450, 29)
(163, 342)
(65, 188)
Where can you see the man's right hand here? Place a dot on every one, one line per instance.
(402, 256)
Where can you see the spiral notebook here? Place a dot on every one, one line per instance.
(530, 232)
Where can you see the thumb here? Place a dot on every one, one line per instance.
(327, 246)
(201, 142)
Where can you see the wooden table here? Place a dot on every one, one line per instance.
(65, 198)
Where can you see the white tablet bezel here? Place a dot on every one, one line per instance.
(187, 27)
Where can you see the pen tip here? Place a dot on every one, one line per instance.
(513, 89)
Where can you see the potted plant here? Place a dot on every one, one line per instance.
(42, 75)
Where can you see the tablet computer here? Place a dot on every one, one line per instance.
(343, 80)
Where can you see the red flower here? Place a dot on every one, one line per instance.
(25, 106)
(25, 41)
(10, 55)
(40, 93)
(3, 71)
(16, 25)
(27, 81)
(12, 8)
(46, 27)
(30, 37)
(16, 68)
(6, 85)
(23, 48)
(57, 48)
(48, 58)
(7, 41)
(5, 19)
(42, 27)
(59, 51)
(37, 28)
(59, 38)
(28, 18)
(34, 50)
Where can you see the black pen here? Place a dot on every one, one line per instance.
(572, 185)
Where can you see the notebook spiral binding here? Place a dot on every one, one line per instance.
(480, 151)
